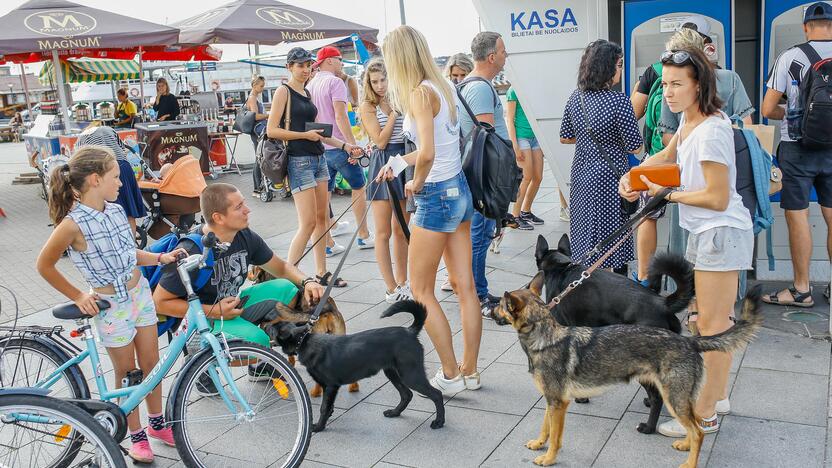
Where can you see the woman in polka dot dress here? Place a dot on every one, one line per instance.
(593, 200)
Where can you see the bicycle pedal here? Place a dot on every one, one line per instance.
(133, 377)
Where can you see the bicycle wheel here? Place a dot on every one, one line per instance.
(64, 435)
(25, 362)
(207, 434)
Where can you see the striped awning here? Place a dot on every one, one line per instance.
(81, 70)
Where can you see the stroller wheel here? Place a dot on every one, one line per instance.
(266, 196)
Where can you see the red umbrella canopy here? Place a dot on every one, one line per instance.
(266, 22)
(46, 25)
(161, 53)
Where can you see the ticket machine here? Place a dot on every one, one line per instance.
(648, 24)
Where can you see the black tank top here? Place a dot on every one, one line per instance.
(303, 110)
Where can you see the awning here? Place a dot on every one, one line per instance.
(83, 70)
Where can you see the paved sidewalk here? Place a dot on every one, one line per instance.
(780, 386)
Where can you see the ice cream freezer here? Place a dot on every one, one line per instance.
(165, 142)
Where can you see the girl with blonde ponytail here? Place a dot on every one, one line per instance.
(101, 245)
(443, 199)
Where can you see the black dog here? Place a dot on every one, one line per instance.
(334, 360)
(607, 298)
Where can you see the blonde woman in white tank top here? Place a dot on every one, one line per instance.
(444, 207)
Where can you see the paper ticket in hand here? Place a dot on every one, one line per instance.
(397, 164)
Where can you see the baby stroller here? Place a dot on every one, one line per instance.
(173, 203)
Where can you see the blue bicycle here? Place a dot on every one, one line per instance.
(222, 413)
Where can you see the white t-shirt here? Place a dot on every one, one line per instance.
(712, 140)
(447, 161)
(793, 65)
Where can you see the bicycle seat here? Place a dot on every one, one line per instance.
(70, 311)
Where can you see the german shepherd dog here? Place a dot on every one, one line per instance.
(607, 298)
(330, 322)
(334, 360)
(574, 362)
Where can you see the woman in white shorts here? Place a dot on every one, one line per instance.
(721, 241)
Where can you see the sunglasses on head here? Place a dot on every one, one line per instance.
(677, 57)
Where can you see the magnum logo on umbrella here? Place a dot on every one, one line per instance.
(285, 18)
(61, 23)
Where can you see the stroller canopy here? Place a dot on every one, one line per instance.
(184, 179)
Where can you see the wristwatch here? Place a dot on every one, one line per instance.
(307, 281)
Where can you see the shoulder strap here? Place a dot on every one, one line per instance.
(810, 52)
(471, 79)
(589, 130)
(287, 119)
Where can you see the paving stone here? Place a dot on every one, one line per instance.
(466, 442)
(362, 423)
(627, 447)
(499, 381)
(612, 404)
(756, 442)
(780, 351)
(494, 344)
(583, 438)
(781, 396)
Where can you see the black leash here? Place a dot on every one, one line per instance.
(397, 210)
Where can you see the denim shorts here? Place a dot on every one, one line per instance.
(721, 248)
(528, 143)
(338, 161)
(442, 206)
(305, 172)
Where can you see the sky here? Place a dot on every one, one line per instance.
(448, 25)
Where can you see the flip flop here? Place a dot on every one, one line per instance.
(797, 298)
(336, 283)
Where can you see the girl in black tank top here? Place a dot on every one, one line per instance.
(302, 111)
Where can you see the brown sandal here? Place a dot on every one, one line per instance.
(798, 298)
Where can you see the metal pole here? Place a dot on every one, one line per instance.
(26, 92)
(250, 65)
(257, 52)
(401, 11)
(202, 70)
(59, 77)
(141, 81)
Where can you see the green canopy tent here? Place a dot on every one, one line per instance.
(85, 70)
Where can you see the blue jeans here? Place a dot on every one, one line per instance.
(338, 161)
(482, 230)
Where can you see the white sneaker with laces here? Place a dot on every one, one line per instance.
(405, 289)
(336, 249)
(397, 295)
(448, 387)
(368, 243)
(343, 227)
(723, 406)
(674, 428)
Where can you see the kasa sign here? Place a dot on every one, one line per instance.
(543, 22)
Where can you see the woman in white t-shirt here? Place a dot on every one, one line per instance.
(442, 221)
(721, 239)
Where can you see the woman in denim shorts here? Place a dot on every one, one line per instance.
(308, 173)
(442, 221)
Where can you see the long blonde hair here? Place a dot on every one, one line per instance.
(369, 95)
(409, 62)
(68, 181)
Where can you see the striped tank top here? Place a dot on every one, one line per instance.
(396, 138)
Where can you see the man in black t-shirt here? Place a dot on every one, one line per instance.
(225, 210)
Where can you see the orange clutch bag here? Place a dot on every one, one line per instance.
(666, 175)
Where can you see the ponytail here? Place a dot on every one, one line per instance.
(68, 181)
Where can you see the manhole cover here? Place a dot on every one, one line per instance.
(803, 317)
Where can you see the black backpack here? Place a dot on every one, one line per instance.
(489, 164)
(816, 100)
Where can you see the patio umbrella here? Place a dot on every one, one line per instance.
(55, 25)
(265, 22)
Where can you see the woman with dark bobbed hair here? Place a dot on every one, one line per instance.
(593, 199)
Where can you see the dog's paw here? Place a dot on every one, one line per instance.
(645, 429)
(646, 402)
(682, 445)
(582, 400)
(391, 413)
(353, 387)
(318, 427)
(316, 391)
(436, 424)
(545, 460)
(535, 444)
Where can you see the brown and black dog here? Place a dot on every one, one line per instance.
(582, 362)
(331, 322)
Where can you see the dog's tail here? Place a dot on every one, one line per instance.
(676, 267)
(742, 332)
(418, 311)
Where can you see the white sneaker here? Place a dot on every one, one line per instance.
(405, 289)
(564, 214)
(723, 406)
(367, 243)
(448, 387)
(446, 285)
(343, 227)
(674, 428)
(336, 249)
(397, 295)
(472, 381)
